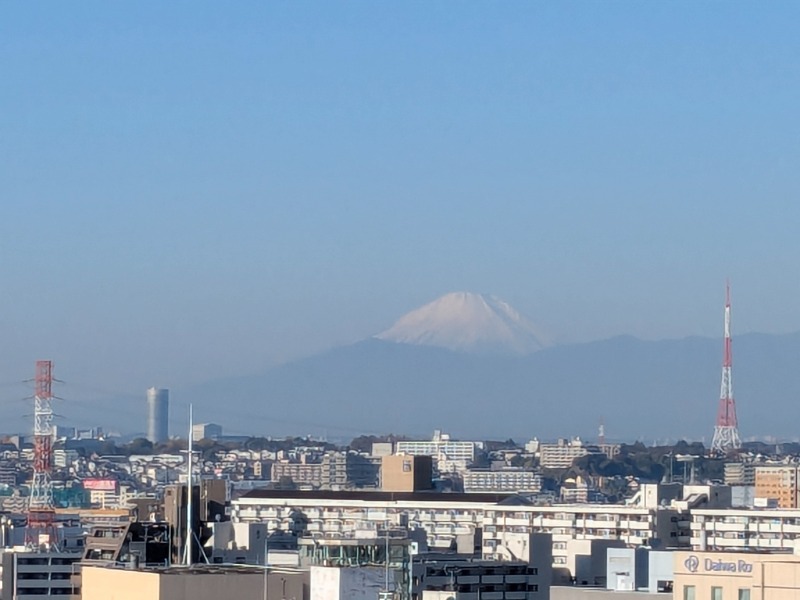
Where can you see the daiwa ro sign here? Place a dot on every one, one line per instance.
(694, 564)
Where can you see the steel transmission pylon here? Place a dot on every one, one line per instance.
(41, 510)
(726, 432)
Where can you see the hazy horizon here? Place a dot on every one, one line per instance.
(194, 190)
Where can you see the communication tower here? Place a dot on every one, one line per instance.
(726, 433)
(41, 510)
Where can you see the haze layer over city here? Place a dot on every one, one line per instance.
(247, 203)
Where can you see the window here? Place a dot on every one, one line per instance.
(716, 593)
(688, 592)
(744, 593)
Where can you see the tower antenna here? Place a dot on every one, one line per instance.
(41, 510)
(726, 432)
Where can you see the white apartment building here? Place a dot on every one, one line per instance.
(501, 481)
(450, 455)
(745, 529)
(561, 454)
(444, 517)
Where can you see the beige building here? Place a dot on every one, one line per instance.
(201, 582)
(406, 473)
(736, 576)
(778, 483)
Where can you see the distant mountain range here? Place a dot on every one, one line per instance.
(471, 365)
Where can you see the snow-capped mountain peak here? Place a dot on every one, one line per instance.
(467, 322)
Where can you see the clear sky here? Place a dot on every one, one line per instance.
(198, 189)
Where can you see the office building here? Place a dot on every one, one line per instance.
(735, 576)
(157, 415)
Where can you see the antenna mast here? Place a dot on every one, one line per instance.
(189, 493)
(726, 433)
(41, 510)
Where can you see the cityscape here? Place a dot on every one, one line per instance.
(415, 301)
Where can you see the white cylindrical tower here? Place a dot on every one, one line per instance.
(157, 415)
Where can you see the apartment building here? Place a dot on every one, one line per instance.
(451, 455)
(561, 454)
(302, 474)
(501, 481)
(343, 470)
(740, 473)
(777, 482)
(764, 529)
(445, 517)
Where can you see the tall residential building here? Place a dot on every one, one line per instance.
(561, 454)
(777, 482)
(157, 415)
(450, 455)
(740, 473)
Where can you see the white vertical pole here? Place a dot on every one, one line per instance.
(189, 493)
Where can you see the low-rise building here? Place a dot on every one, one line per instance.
(508, 480)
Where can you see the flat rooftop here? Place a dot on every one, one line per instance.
(375, 496)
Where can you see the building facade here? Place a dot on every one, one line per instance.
(777, 482)
(157, 415)
(745, 529)
(501, 481)
(735, 576)
(445, 517)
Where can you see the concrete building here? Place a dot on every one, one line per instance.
(562, 454)
(200, 582)
(778, 482)
(472, 579)
(301, 474)
(400, 473)
(157, 415)
(760, 529)
(29, 575)
(740, 473)
(639, 569)
(736, 576)
(444, 517)
(450, 455)
(206, 431)
(345, 470)
(501, 481)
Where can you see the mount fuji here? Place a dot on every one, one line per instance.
(467, 322)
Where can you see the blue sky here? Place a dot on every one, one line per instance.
(195, 189)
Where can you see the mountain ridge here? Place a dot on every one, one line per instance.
(642, 389)
(467, 322)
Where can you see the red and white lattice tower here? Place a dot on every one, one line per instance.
(726, 432)
(41, 510)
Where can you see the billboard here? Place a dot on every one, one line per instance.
(100, 485)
